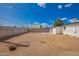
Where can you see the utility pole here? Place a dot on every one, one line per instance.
(75, 29)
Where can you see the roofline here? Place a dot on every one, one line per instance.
(71, 23)
(66, 24)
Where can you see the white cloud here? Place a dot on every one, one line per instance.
(44, 24)
(63, 18)
(60, 6)
(67, 5)
(41, 5)
(36, 23)
(73, 20)
(64, 6)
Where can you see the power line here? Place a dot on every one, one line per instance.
(7, 20)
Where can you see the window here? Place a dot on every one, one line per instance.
(64, 28)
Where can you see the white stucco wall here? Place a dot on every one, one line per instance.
(77, 33)
(72, 30)
(69, 30)
(56, 30)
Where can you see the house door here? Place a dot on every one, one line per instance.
(59, 30)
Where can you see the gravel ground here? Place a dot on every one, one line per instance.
(41, 44)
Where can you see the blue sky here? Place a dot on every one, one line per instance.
(23, 14)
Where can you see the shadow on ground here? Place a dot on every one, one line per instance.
(3, 39)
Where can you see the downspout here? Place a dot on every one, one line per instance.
(62, 29)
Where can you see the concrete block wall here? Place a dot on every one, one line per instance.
(39, 30)
(8, 31)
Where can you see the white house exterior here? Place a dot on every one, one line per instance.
(71, 29)
(56, 30)
(68, 29)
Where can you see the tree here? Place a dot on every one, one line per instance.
(58, 23)
(41, 26)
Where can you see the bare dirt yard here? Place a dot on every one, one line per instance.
(41, 44)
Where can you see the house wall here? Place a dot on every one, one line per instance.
(56, 30)
(69, 30)
(72, 30)
(59, 30)
(53, 30)
(77, 32)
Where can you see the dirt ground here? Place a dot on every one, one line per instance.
(41, 44)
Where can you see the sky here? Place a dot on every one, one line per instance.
(24, 14)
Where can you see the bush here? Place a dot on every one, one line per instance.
(43, 42)
(12, 47)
